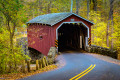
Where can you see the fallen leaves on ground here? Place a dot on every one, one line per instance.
(14, 76)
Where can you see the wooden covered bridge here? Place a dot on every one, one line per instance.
(63, 30)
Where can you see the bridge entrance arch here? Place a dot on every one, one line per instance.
(72, 36)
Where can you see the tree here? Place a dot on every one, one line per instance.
(10, 10)
(77, 7)
(111, 14)
(110, 21)
(49, 6)
(93, 4)
(88, 10)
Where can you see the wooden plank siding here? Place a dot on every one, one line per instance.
(48, 34)
(42, 45)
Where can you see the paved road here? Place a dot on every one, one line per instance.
(80, 66)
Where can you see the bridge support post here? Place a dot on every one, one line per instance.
(80, 41)
(86, 42)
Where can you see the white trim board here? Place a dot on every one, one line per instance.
(75, 15)
(72, 22)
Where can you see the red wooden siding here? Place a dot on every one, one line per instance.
(34, 41)
(49, 34)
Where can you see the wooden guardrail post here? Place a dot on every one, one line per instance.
(23, 66)
(40, 64)
(118, 53)
(118, 56)
(37, 65)
(43, 63)
(28, 65)
(46, 61)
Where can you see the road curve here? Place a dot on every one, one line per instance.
(84, 66)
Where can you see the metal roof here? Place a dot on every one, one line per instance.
(53, 18)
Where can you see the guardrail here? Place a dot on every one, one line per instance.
(102, 50)
(39, 64)
(45, 61)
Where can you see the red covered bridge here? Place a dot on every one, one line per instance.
(70, 30)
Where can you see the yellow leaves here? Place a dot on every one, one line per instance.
(97, 39)
(15, 76)
(55, 10)
(99, 29)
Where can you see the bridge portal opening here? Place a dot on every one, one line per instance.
(72, 37)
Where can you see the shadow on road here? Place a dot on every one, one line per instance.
(73, 51)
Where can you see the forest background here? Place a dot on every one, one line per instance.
(15, 13)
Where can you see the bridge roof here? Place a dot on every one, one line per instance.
(54, 18)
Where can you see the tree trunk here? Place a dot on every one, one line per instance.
(13, 31)
(107, 34)
(95, 5)
(38, 6)
(11, 43)
(110, 19)
(111, 16)
(77, 7)
(11, 46)
(88, 10)
(11, 37)
(71, 6)
(49, 6)
(112, 30)
(10, 50)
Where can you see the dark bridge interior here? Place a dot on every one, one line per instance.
(34, 54)
(69, 37)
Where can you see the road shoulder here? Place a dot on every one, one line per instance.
(105, 58)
